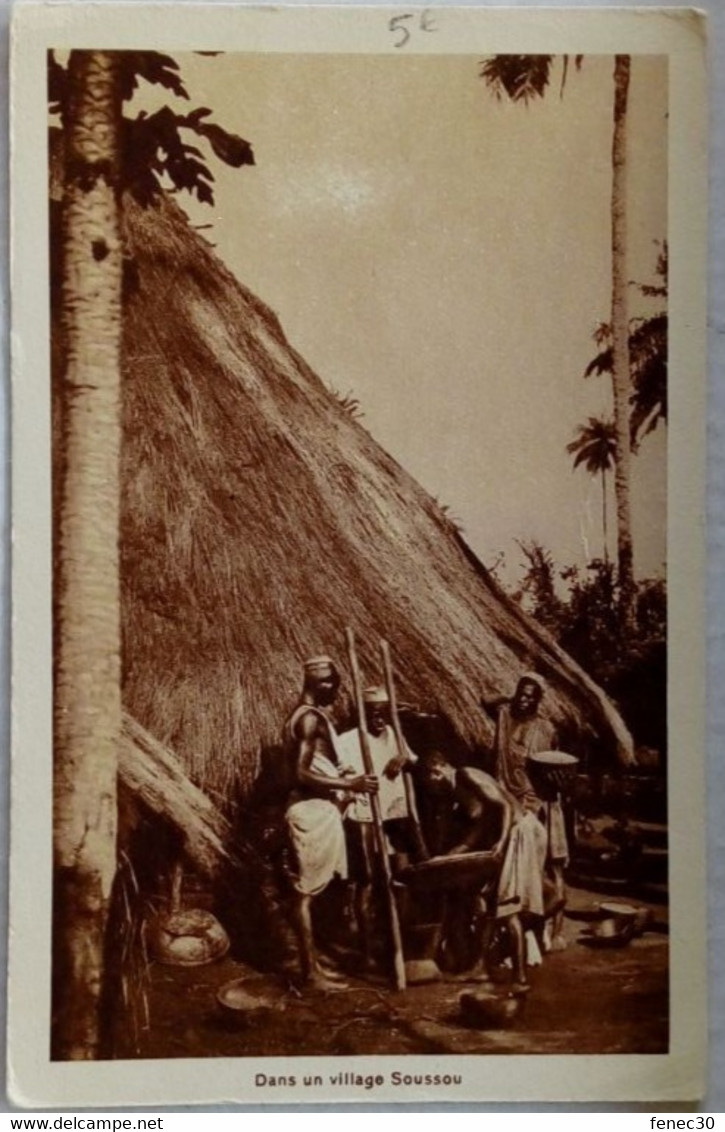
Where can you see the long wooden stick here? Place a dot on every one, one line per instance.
(420, 845)
(387, 879)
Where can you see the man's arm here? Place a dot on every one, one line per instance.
(311, 740)
(486, 793)
(468, 844)
(492, 707)
(400, 762)
(497, 796)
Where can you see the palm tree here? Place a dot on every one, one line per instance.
(621, 381)
(87, 703)
(523, 78)
(595, 446)
(105, 154)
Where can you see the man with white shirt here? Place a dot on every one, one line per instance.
(388, 768)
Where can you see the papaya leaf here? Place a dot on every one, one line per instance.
(154, 68)
(195, 116)
(229, 148)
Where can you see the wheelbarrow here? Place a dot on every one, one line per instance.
(444, 877)
(441, 874)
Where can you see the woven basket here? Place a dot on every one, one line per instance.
(188, 939)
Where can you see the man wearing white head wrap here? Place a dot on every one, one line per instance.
(387, 762)
(388, 765)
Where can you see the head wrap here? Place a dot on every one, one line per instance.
(376, 695)
(532, 678)
(315, 663)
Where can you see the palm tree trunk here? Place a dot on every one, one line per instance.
(87, 707)
(605, 532)
(620, 342)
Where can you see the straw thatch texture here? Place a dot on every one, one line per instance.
(259, 519)
(153, 776)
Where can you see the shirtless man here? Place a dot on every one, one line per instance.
(481, 807)
(314, 816)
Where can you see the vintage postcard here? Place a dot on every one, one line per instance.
(358, 451)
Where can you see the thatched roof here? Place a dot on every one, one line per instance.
(259, 519)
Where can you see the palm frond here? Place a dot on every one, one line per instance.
(518, 77)
(648, 366)
(594, 445)
(659, 290)
(600, 364)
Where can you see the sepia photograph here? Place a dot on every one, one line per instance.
(359, 554)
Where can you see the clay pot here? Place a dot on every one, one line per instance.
(239, 1005)
(618, 911)
(639, 917)
(489, 1011)
(419, 971)
(609, 933)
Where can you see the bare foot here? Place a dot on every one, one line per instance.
(328, 970)
(558, 942)
(320, 981)
(477, 974)
(520, 987)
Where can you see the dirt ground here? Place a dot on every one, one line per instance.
(582, 1000)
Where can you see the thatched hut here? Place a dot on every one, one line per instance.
(259, 518)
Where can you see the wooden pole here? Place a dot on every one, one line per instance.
(420, 845)
(177, 882)
(387, 879)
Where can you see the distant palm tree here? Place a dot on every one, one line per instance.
(523, 78)
(595, 446)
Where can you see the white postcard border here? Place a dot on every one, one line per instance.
(34, 1080)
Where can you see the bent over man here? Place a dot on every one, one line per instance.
(483, 809)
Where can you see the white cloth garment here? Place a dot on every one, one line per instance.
(391, 791)
(318, 840)
(315, 824)
(521, 884)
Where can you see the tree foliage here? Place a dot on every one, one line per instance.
(537, 592)
(522, 78)
(594, 446)
(579, 608)
(154, 148)
(648, 358)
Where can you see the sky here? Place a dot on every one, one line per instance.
(445, 258)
